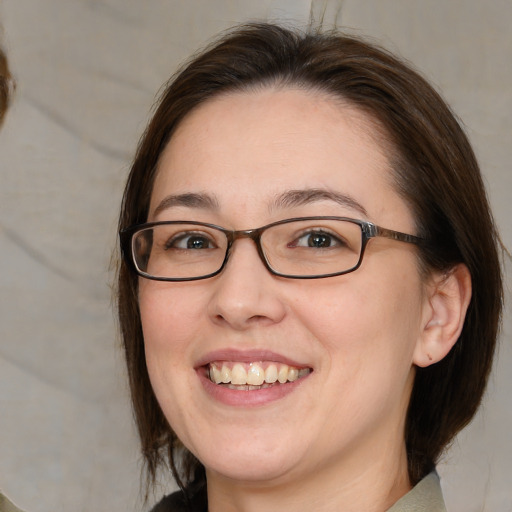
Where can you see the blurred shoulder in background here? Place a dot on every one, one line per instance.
(5, 504)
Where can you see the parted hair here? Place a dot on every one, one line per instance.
(434, 170)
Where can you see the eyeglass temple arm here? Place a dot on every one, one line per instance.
(374, 230)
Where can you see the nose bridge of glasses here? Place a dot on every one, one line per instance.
(252, 234)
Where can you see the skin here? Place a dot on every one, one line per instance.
(336, 442)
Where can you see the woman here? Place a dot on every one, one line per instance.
(310, 291)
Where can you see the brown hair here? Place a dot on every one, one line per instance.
(435, 171)
(5, 85)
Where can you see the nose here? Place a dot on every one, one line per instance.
(246, 294)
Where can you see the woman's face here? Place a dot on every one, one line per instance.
(352, 337)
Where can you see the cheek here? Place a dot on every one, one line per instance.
(366, 323)
(368, 332)
(167, 314)
(168, 322)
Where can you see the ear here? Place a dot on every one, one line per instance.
(447, 300)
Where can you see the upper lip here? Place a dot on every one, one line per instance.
(248, 356)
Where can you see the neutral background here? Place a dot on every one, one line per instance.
(88, 72)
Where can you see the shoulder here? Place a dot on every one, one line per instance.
(178, 502)
(6, 505)
(173, 503)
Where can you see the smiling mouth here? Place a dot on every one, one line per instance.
(253, 376)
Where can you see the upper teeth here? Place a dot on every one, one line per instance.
(254, 374)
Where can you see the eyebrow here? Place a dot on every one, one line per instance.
(288, 199)
(190, 200)
(292, 198)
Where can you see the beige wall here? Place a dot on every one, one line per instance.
(87, 73)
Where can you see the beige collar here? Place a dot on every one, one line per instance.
(426, 496)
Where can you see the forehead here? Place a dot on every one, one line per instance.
(249, 146)
(281, 115)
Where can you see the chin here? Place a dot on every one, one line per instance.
(250, 471)
(245, 460)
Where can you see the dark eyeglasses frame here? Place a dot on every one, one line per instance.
(368, 231)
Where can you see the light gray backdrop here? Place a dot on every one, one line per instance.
(87, 74)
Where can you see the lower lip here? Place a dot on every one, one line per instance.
(245, 398)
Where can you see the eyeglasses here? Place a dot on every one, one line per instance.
(299, 248)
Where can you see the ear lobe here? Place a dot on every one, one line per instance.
(448, 297)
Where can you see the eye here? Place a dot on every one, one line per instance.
(317, 239)
(190, 241)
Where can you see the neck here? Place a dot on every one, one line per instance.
(372, 487)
